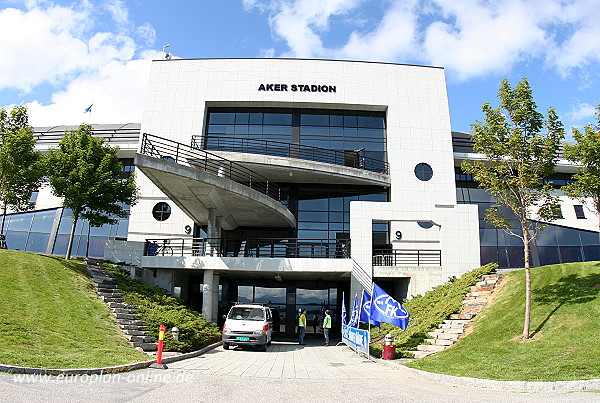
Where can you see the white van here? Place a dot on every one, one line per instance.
(248, 325)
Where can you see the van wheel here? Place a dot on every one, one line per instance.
(225, 346)
(269, 342)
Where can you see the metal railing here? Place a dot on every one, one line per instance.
(348, 158)
(256, 247)
(407, 257)
(173, 151)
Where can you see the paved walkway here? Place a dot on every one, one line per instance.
(287, 360)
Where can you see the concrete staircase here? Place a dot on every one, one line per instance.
(126, 315)
(453, 328)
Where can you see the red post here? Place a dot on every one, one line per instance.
(161, 341)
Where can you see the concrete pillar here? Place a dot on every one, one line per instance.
(207, 295)
(211, 231)
(217, 243)
(215, 298)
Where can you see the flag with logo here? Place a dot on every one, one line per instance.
(386, 309)
(365, 310)
(355, 313)
(344, 316)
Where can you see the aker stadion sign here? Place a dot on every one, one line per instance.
(297, 87)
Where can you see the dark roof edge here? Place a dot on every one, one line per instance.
(298, 58)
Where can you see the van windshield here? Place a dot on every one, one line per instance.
(246, 314)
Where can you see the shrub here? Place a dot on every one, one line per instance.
(156, 307)
(428, 311)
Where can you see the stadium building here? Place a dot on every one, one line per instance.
(291, 182)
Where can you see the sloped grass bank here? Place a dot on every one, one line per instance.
(157, 308)
(51, 317)
(565, 323)
(428, 311)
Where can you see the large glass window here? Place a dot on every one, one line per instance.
(355, 138)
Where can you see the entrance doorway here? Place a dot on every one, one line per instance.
(287, 300)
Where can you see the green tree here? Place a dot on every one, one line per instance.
(20, 168)
(520, 148)
(88, 176)
(586, 153)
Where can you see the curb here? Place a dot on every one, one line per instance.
(516, 386)
(105, 370)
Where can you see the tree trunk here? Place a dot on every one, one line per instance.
(3, 217)
(527, 285)
(72, 236)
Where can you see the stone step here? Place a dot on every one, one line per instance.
(132, 328)
(431, 348)
(461, 322)
(450, 330)
(451, 326)
(127, 316)
(443, 342)
(131, 322)
(122, 310)
(421, 354)
(447, 336)
(111, 294)
(146, 346)
(491, 277)
(122, 305)
(118, 300)
(140, 338)
(134, 332)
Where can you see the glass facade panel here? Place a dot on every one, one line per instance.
(16, 240)
(265, 295)
(554, 244)
(37, 242)
(20, 222)
(360, 131)
(245, 293)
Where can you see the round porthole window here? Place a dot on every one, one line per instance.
(161, 211)
(423, 171)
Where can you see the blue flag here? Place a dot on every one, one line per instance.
(365, 310)
(387, 310)
(355, 313)
(344, 316)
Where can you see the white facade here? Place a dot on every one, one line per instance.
(418, 130)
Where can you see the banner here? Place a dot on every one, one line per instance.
(357, 338)
(365, 310)
(386, 309)
(344, 316)
(355, 313)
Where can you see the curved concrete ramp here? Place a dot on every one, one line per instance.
(196, 191)
(285, 169)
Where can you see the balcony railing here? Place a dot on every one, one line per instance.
(257, 247)
(173, 151)
(348, 158)
(401, 257)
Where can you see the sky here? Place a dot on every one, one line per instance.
(62, 56)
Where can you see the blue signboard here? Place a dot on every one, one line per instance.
(356, 338)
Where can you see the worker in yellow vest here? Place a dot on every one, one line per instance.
(327, 326)
(302, 327)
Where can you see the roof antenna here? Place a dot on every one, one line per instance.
(167, 54)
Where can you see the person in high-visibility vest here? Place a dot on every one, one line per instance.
(302, 327)
(327, 326)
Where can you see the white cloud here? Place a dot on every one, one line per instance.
(582, 114)
(471, 38)
(58, 46)
(117, 91)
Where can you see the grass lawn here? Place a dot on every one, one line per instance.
(565, 323)
(52, 318)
